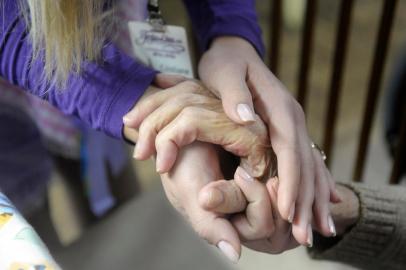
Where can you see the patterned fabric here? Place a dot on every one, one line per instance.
(20, 248)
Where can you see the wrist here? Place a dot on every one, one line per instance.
(231, 42)
(346, 213)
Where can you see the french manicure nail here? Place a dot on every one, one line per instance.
(126, 119)
(136, 153)
(291, 214)
(309, 236)
(331, 226)
(244, 175)
(158, 163)
(228, 251)
(245, 112)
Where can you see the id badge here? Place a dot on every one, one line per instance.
(166, 51)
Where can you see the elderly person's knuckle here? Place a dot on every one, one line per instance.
(146, 127)
(161, 139)
(148, 102)
(188, 115)
(183, 98)
(192, 86)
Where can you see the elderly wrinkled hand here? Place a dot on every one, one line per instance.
(169, 119)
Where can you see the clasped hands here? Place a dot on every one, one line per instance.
(187, 126)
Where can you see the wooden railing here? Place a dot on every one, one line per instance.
(337, 71)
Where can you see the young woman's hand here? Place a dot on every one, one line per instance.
(233, 71)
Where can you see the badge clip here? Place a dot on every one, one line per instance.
(155, 18)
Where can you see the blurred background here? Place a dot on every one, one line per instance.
(141, 231)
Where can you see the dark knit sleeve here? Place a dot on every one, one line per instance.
(378, 240)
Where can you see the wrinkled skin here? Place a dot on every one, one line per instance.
(169, 119)
(190, 107)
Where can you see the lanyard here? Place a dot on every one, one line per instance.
(155, 16)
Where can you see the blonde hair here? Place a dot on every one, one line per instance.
(67, 32)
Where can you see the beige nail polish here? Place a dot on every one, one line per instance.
(244, 175)
(228, 251)
(158, 164)
(245, 112)
(135, 153)
(309, 236)
(291, 213)
(331, 226)
(126, 120)
(137, 149)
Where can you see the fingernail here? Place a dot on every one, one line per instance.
(244, 175)
(331, 226)
(158, 163)
(136, 153)
(126, 119)
(228, 251)
(309, 236)
(291, 214)
(213, 198)
(245, 113)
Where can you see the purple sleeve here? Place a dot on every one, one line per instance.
(99, 96)
(214, 18)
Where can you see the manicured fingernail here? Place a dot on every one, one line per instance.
(213, 198)
(228, 251)
(309, 236)
(291, 214)
(158, 163)
(245, 112)
(331, 226)
(136, 153)
(126, 119)
(244, 175)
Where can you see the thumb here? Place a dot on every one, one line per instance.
(230, 86)
(222, 197)
(225, 237)
(218, 231)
